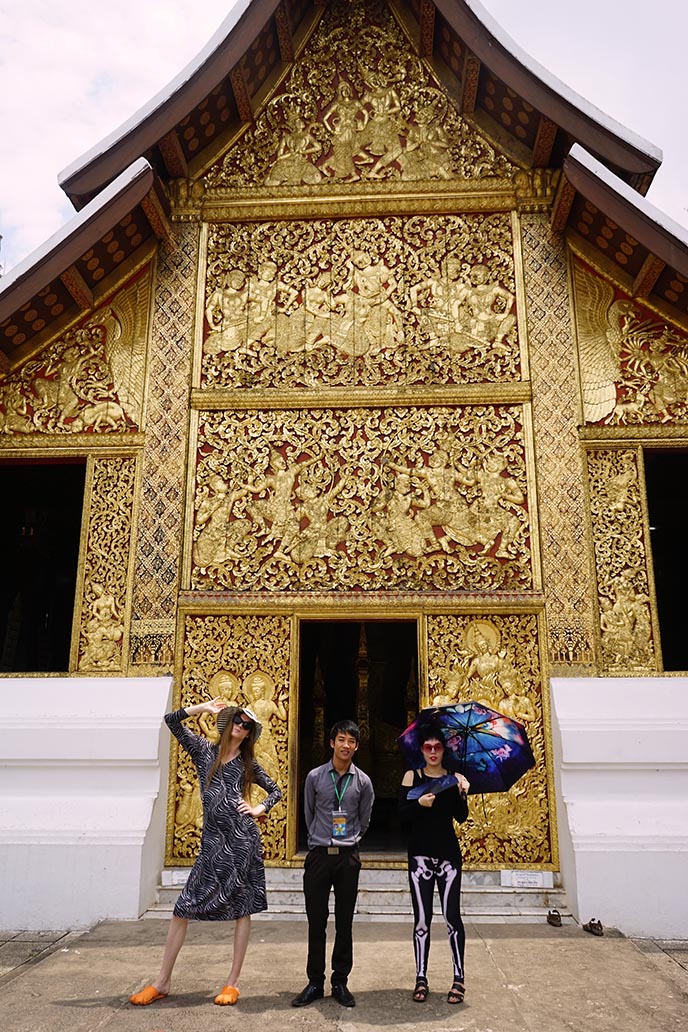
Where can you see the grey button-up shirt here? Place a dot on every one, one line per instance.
(320, 800)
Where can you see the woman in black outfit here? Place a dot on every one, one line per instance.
(434, 858)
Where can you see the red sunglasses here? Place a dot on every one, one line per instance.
(432, 748)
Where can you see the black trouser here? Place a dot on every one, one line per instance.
(323, 871)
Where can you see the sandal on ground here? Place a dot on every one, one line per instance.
(456, 993)
(420, 993)
(227, 996)
(148, 995)
(554, 918)
(594, 927)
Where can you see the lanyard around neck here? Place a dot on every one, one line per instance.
(339, 795)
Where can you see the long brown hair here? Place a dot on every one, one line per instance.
(246, 751)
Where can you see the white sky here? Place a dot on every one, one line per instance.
(71, 73)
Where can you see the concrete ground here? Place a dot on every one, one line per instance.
(520, 978)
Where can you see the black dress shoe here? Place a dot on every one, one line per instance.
(308, 995)
(342, 995)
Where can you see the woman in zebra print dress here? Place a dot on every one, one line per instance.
(227, 882)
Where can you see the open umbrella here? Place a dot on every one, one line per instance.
(488, 748)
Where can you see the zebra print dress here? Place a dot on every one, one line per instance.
(228, 879)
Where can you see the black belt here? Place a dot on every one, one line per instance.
(334, 850)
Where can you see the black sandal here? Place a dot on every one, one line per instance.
(456, 993)
(420, 993)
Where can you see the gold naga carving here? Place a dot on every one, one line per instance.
(625, 616)
(246, 660)
(430, 299)
(495, 660)
(89, 381)
(104, 599)
(419, 498)
(377, 116)
(634, 368)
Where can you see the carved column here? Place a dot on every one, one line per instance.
(560, 466)
(161, 518)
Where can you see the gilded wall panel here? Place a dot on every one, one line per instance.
(358, 104)
(496, 660)
(160, 523)
(623, 585)
(103, 608)
(245, 659)
(560, 466)
(360, 302)
(634, 368)
(90, 380)
(362, 499)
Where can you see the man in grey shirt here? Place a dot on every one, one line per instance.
(338, 800)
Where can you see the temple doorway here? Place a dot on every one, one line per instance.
(40, 527)
(368, 672)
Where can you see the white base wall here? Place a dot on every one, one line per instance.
(83, 785)
(621, 759)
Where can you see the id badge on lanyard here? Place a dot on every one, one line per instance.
(339, 824)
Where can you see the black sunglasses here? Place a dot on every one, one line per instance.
(246, 724)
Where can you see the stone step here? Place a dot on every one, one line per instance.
(383, 894)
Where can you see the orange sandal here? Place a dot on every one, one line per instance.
(227, 996)
(148, 995)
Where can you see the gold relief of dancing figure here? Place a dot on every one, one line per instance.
(321, 535)
(226, 313)
(395, 517)
(297, 152)
(259, 692)
(482, 308)
(218, 535)
(345, 119)
(275, 514)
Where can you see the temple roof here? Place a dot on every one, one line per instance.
(531, 114)
(121, 186)
(636, 243)
(78, 266)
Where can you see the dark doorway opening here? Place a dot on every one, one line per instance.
(40, 528)
(666, 479)
(367, 672)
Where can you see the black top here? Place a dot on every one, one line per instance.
(430, 829)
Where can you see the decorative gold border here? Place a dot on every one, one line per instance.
(516, 392)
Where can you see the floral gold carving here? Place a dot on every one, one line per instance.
(246, 660)
(634, 369)
(88, 381)
(106, 566)
(429, 299)
(621, 563)
(358, 104)
(161, 515)
(417, 498)
(495, 660)
(564, 543)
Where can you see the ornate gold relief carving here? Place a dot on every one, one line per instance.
(104, 601)
(496, 660)
(376, 116)
(634, 369)
(160, 522)
(90, 380)
(560, 463)
(356, 302)
(220, 654)
(620, 557)
(372, 498)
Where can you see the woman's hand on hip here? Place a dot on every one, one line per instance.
(251, 811)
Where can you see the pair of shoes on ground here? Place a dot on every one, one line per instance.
(593, 926)
(313, 992)
(455, 995)
(227, 996)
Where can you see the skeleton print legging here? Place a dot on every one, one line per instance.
(424, 872)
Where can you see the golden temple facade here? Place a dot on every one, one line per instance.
(361, 362)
